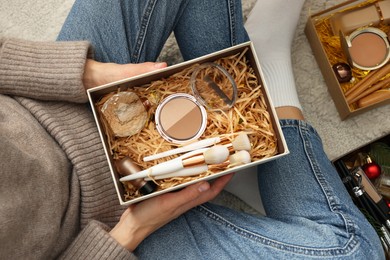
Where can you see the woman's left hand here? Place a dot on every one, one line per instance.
(142, 219)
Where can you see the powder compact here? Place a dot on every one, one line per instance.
(180, 118)
(367, 48)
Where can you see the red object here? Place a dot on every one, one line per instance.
(371, 168)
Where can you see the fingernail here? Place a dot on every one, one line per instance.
(204, 187)
(160, 65)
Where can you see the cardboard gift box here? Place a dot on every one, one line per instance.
(252, 113)
(377, 155)
(330, 34)
(365, 173)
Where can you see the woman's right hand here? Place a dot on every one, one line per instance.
(142, 219)
(99, 73)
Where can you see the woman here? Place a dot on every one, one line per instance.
(61, 166)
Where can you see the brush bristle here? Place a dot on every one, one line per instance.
(241, 157)
(241, 142)
(216, 154)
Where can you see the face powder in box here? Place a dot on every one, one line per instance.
(180, 118)
(367, 48)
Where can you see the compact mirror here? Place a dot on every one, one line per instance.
(213, 87)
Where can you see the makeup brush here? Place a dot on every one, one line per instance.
(373, 98)
(239, 158)
(380, 85)
(353, 183)
(214, 155)
(365, 83)
(186, 148)
(189, 171)
(241, 142)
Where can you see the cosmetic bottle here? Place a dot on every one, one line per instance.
(126, 166)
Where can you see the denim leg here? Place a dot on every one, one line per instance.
(136, 31)
(303, 188)
(123, 31)
(309, 215)
(209, 26)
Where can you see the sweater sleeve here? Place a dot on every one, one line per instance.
(43, 70)
(94, 242)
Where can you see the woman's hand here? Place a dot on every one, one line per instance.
(142, 219)
(98, 73)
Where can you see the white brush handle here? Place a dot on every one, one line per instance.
(189, 171)
(162, 168)
(193, 153)
(186, 148)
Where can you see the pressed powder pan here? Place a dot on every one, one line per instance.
(366, 49)
(180, 118)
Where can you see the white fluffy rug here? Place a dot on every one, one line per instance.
(42, 19)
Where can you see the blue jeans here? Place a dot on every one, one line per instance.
(309, 212)
(309, 215)
(135, 31)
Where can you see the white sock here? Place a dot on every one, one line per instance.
(271, 27)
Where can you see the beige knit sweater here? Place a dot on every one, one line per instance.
(57, 199)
